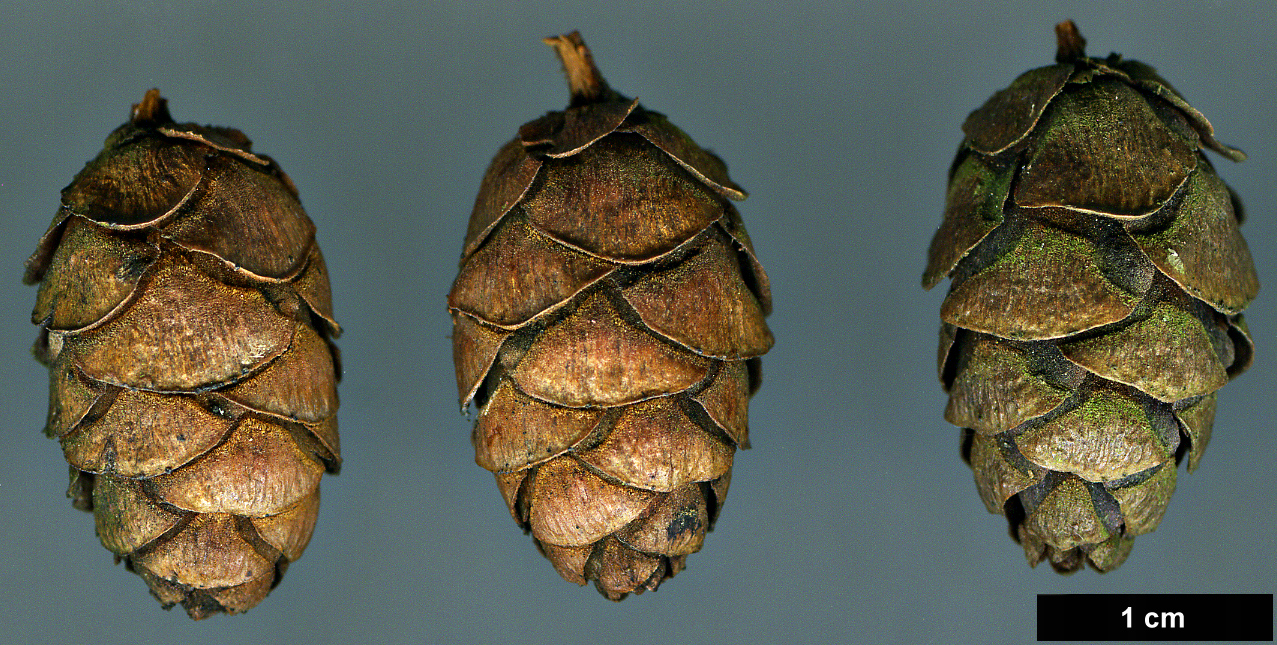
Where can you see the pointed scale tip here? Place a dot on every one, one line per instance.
(153, 110)
(584, 80)
(1070, 45)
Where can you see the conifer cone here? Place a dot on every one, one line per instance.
(1098, 279)
(607, 324)
(185, 317)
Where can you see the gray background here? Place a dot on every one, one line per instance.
(853, 516)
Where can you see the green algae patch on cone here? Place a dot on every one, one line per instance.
(608, 320)
(1098, 281)
(186, 319)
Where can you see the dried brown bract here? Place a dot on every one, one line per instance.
(608, 319)
(1098, 281)
(185, 317)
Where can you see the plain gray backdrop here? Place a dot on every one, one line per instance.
(852, 518)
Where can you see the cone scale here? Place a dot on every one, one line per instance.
(1098, 278)
(607, 324)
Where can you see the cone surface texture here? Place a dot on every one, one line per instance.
(185, 318)
(1098, 279)
(607, 324)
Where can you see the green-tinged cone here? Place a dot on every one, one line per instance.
(1098, 279)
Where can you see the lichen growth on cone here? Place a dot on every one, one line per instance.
(1098, 279)
(185, 317)
(608, 319)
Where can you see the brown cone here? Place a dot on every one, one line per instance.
(185, 315)
(608, 319)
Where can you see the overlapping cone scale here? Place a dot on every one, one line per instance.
(1098, 279)
(186, 319)
(608, 319)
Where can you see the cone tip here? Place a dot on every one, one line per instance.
(585, 81)
(1070, 45)
(153, 110)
